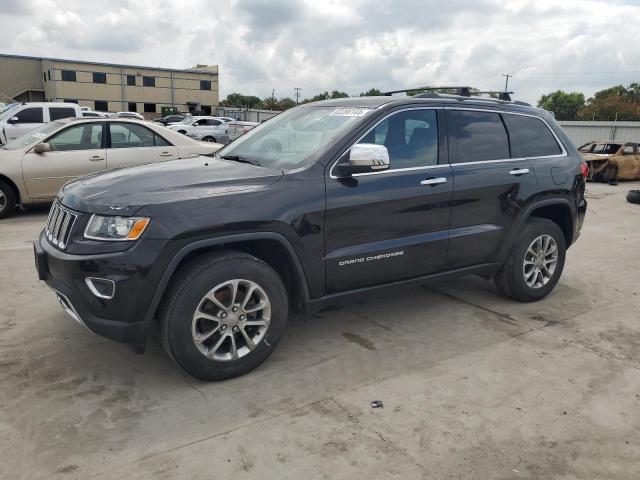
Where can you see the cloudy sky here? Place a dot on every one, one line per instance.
(354, 45)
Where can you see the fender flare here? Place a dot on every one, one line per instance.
(211, 242)
(509, 242)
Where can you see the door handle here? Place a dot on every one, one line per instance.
(96, 158)
(166, 154)
(433, 181)
(519, 171)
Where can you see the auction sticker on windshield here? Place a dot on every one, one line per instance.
(349, 112)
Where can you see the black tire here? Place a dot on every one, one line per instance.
(209, 139)
(633, 196)
(7, 200)
(510, 279)
(184, 295)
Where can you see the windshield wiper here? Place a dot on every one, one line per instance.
(241, 159)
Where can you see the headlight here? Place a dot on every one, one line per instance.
(115, 228)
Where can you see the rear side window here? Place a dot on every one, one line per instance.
(30, 115)
(56, 113)
(478, 136)
(530, 137)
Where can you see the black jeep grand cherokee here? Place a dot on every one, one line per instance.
(322, 201)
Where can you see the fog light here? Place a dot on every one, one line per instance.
(101, 287)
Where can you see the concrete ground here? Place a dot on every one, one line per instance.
(474, 385)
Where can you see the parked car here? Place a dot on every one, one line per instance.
(94, 114)
(214, 130)
(170, 119)
(35, 166)
(383, 191)
(22, 118)
(238, 128)
(134, 115)
(189, 124)
(611, 161)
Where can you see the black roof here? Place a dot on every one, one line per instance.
(439, 99)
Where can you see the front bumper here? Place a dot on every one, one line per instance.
(124, 318)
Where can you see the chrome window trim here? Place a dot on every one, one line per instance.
(331, 175)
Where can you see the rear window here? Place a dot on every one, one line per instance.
(56, 113)
(530, 137)
(478, 136)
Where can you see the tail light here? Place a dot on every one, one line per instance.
(585, 169)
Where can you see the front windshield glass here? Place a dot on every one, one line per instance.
(290, 138)
(186, 120)
(34, 136)
(606, 148)
(7, 111)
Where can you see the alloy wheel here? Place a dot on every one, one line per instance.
(231, 320)
(540, 261)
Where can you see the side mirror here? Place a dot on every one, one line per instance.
(13, 120)
(42, 147)
(365, 158)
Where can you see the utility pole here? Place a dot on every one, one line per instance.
(297, 90)
(506, 82)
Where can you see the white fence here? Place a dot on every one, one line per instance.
(583, 132)
(245, 114)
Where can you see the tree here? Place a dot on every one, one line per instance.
(339, 94)
(564, 105)
(286, 103)
(241, 101)
(372, 92)
(614, 103)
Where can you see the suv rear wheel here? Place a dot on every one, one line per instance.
(224, 315)
(535, 263)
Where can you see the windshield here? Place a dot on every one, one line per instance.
(33, 136)
(7, 111)
(289, 139)
(186, 120)
(606, 148)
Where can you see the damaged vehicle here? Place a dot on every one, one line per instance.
(611, 161)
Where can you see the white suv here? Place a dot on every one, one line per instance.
(21, 118)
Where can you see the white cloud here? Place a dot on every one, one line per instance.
(346, 45)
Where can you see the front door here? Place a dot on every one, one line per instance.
(132, 143)
(393, 224)
(490, 186)
(77, 150)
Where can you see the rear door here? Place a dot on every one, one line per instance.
(75, 151)
(132, 143)
(490, 185)
(393, 224)
(27, 119)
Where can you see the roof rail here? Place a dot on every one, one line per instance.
(436, 92)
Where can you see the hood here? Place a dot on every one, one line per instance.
(595, 156)
(124, 191)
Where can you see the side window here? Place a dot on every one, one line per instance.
(478, 136)
(87, 136)
(56, 113)
(214, 123)
(30, 115)
(411, 137)
(130, 135)
(628, 150)
(530, 137)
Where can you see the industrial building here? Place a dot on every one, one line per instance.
(108, 87)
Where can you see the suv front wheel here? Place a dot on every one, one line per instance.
(224, 315)
(535, 263)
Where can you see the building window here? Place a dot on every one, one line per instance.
(131, 81)
(44, 77)
(99, 77)
(206, 109)
(133, 107)
(101, 105)
(70, 100)
(205, 84)
(149, 81)
(150, 108)
(68, 75)
(49, 74)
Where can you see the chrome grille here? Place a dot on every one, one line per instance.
(59, 225)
